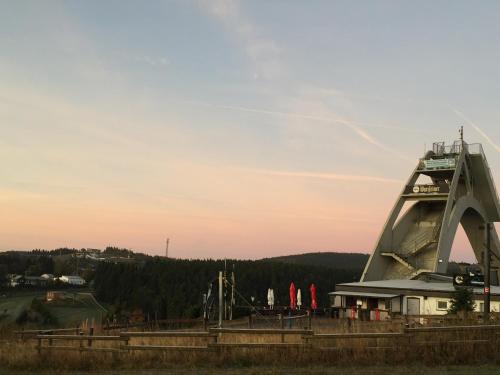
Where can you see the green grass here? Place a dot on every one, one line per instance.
(71, 314)
(68, 312)
(12, 306)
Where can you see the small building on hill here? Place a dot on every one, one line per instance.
(377, 300)
(72, 280)
(54, 295)
(27, 281)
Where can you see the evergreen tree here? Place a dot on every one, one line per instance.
(462, 300)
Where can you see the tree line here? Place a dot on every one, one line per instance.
(173, 288)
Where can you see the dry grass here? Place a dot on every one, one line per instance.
(423, 348)
(288, 370)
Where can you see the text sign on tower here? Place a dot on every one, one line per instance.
(427, 189)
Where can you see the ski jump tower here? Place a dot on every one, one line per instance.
(459, 190)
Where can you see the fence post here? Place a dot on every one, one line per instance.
(81, 342)
(50, 340)
(39, 346)
(127, 339)
(309, 322)
(91, 333)
(408, 334)
(250, 322)
(282, 325)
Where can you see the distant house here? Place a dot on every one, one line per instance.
(72, 280)
(15, 280)
(20, 280)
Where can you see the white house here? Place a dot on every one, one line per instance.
(72, 280)
(406, 297)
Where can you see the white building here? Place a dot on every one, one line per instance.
(405, 297)
(72, 280)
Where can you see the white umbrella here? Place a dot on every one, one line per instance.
(299, 299)
(269, 302)
(272, 298)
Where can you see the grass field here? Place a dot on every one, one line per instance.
(70, 312)
(12, 306)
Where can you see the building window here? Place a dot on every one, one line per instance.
(442, 305)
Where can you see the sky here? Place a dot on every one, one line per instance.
(239, 129)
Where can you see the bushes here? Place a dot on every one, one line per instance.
(36, 313)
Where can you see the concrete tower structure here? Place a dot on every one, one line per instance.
(451, 185)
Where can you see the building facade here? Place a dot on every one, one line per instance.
(405, 297)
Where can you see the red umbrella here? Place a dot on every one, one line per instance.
(292, 296)
(312, 290)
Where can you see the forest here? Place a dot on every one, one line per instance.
(173, 288)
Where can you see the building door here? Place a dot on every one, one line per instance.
(413, 306)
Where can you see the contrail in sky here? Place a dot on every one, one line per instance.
(329, 176)
(305, 116)
(478, 129)
(368, 138)
(354, 126)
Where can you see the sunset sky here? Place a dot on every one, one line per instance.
(237, 129)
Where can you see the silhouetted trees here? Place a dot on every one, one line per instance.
(27, 263)
(174, 288)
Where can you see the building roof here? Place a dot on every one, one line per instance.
(74, 277)
(364, 294)
(406, 284)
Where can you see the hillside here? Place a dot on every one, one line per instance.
(334, 260)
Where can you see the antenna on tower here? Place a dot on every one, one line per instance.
(461, 132)
(166, 247)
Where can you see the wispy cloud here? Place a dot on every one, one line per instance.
(478, 129)
(329, 176)
(261, 50)
(153, 61)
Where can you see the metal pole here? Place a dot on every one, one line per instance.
(221, 301)
(231, 305)
(487, 273)
(225, 292)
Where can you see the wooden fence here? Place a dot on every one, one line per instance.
(217, 339)
(32, 333)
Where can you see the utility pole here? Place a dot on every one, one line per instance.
(166, 247)
(487, 273)
(77, 264)
(232, 295)
(225, 291)
(221, 303)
